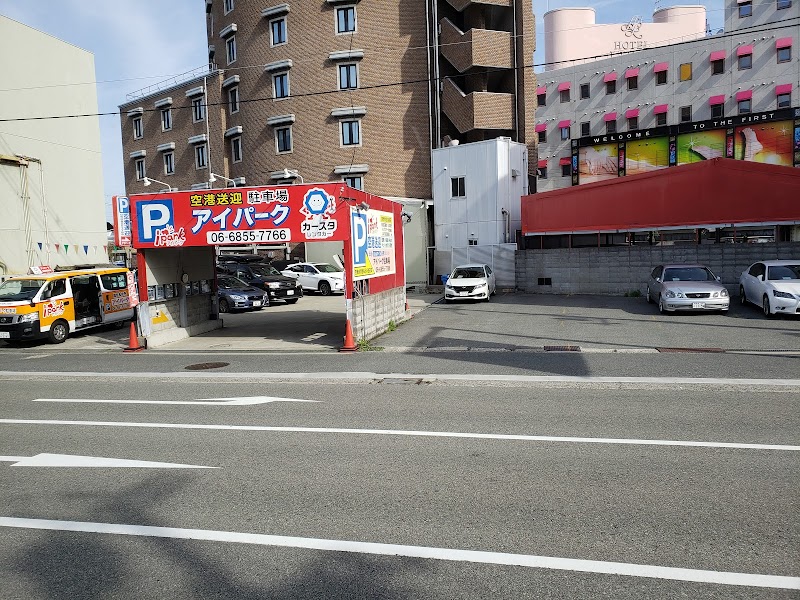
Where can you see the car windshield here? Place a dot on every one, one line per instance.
(783, 272)
(326, 268)
(264, 270)
(228, 283)
(688, 274)
(19, 289)
(468, 273)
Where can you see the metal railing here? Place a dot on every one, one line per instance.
(173, 81)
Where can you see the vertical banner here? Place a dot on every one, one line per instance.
(122, 221)
(372, 243)
(621, 159)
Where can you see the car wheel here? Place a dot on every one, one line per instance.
(649, 298)
(224, 307)
(324, 288)
(58, 332)
(292, 301)
(661, 308)
(742, 296)
(765, 305)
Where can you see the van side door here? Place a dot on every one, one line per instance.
(116, 304)
(56, 303)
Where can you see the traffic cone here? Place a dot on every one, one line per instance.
(349, 342)
(133, 340)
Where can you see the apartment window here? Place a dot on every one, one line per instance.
(745, 9)
(784, 4)
(355, 181)
(277, 32)
(686, 71)
(230, 49)
(611, 127)
(633, 83)
(564, 95)
(661, 78)
(633, 123)
(472, 242)
(227, 6)
(584, 91)
(785, 54)
(169, 163)
(346, 19)
(280, 85)
(200, 156)
(137, 128)
(717, 67)
(745, 62)
(784, 100)
(585, 129)
(661, 119)
(564, 132)
(543, 136)
(198, 109)
(236, 149)
(351, 133)
(283, 139)
(566, 170)
(686, 114)
(541, 99)
(458, 187)
(140, 171)
(348, 76)
(745, 107)
(611, 86)
(542, 172)
(233, 100)
(717, 111)
(166, 119)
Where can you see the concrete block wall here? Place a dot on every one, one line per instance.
(198, 309)
(169, 309)
(614, 271)
(372, 313)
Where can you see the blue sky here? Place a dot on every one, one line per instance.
(138, 44)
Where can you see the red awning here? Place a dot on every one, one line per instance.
(542, 164)
(659, 109)
(662, 66)
(542, 89)
(631, 73)
(783, 43)
(612, 116)
(610, 77)
(541, 127)
(744, 50)
(717, 55)
(631, 113)
(565, 123)
(564, 161)
(714, 100)
(564, 85)
(744, 95)
(785, 88)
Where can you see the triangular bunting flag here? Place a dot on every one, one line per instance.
(66, 248)
(40, 245)
(105, 247)
(57, 245)
(86, 249)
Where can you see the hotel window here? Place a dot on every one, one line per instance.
(227, 6)
(564, 95)
(140, 171)
(633, 82)
(346, 19)
(566, 169)
(745, 62)
(236, 149)
(542, 172)
(633, 123)
(280, 85)
(233, 100)
(169, 163)
(784, 100)
(661, 119)
(137, 128)
(686, 71)
(585, 129)
(717, 111)
(661, 78)
(354, 181)
(785, 54)
(745, 9)
(230, 49)
(784, 4)
(543, 136)
(611, 86)
(745, 107)
(200, 156)
(166, 119)
(277, 32)
(458, 187)
(584, 91)
(564, 132)
(541, 99)
(348, 76)
(718, 66)
(351, 133)
(686, 114)
(283, 140)
(611, 127)
(198, 109)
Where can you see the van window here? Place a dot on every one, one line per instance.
(56, 287)
(114, 281)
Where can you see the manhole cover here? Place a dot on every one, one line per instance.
(562, 348)
(208, 365)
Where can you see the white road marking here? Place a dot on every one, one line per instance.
(409, 433)
(207, 402)
(424, 552)
(35, 356)
(69, 460)
(313, 336)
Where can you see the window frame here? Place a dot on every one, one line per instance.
(682, 69)
(745, 10)
(282, 135)
(284, 76)
(166, 119)
(611, 87)
(586, 128)
(458, 187)
(718, 67)
(633, 83)
(541, 99)
(198, 109)
(236, 148)
(541, 172)
(662, 75)
(563, 96)
(200, 156)
(611, 126)
(138, 128)
(350, 68)
(682, 110)
(350, 180)
(140, 168)
(585, 88)
(343, 10)
(633, 123)
(565, 133)
(351, 126)
(745, 107)
(283, 29)
(566, 169)
(661, 119)
(230, 49)
(783, 4)
(227, 6)
(745, 62)
(787, 51)
(717, 111)
(787, 102)
(233, 91)
(542, 136)
(169, 162)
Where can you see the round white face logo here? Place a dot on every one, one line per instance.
(316, 202)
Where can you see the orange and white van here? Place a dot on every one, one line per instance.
(58, 303)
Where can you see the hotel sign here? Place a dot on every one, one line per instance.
(632, 30)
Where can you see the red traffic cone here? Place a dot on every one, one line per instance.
(133, 340)
(349, 342)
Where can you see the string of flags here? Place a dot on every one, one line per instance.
(77, 247)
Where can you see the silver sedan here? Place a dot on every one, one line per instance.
(686, 287)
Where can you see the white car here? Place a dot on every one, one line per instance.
(470, 282)
(317, 277)
(774, 285)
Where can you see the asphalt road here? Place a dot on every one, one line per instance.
(609, 473)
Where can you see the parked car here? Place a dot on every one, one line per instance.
(772, 284)
(235, 294)
(686, 287)
(317, 277)
(260, 275)
(470, 282)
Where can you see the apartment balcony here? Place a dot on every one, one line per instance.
(477, 110)
(476, 47)
(460, 5)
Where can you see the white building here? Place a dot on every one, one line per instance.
(52, 210)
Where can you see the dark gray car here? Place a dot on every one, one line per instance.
(686, 287)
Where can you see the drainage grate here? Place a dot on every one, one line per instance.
(707, 350)
(562, 348)
(204, 366)
(402, 381)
